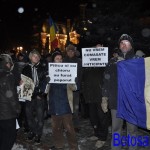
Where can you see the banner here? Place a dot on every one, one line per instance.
(94, 57)
(62, 73)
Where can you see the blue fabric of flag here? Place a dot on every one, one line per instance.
(131, 84)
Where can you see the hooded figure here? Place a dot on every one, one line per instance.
(6, 62)
(126, 37)
(126, 46)
(9, 104)
(55, 53)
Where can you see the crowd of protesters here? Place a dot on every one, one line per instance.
(95, 90)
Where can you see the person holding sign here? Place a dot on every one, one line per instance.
(35, 107)
(60, 109)
(91, 88)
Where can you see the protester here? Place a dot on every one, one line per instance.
(71, 57)
(60, 102)
(35, 107)
(91, 88)
(110, 86)
(9, 104)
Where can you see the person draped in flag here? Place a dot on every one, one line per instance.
(110, 87)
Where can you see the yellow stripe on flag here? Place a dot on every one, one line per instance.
(147, 90)
(53, 38)
(52, 33)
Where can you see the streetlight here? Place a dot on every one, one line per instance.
(19, 49)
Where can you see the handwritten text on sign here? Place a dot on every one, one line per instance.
(94, 57)
(62, 72)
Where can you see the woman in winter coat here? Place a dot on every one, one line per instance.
(9, 104)
(61, 110)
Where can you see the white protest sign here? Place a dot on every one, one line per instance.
(62, 73)
(94, 57)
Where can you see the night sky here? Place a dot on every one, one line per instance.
(17, 27)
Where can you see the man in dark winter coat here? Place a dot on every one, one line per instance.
(109, 90)
(35, 107)
(91, 88)
(9, 104)
(72, 58)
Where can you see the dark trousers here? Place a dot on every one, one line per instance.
(35, 115)
(59, 124)
(99, 121)
(83, 107)
(7, 134)
(76, 99)
(22, 119)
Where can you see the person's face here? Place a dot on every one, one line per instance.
(20, 57)
(35, 58)
(70, 53)
(125, 46)
(9, 66)
(58, 59)
(49, 59)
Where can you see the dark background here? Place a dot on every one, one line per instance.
(16, 29)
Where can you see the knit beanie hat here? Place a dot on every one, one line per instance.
(126, 37)
(55, 53)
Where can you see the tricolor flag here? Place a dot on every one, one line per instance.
(53, 30)
(134, 91)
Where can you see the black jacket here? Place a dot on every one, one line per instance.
(79, 68)
(9, 103)
(92, 84)
(110, 79)
(41, 71)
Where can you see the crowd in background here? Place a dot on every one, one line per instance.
(94, 95)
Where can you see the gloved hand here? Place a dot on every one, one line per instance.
(48, 79)
(41, 95)
(104, 104)
(120, 58)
